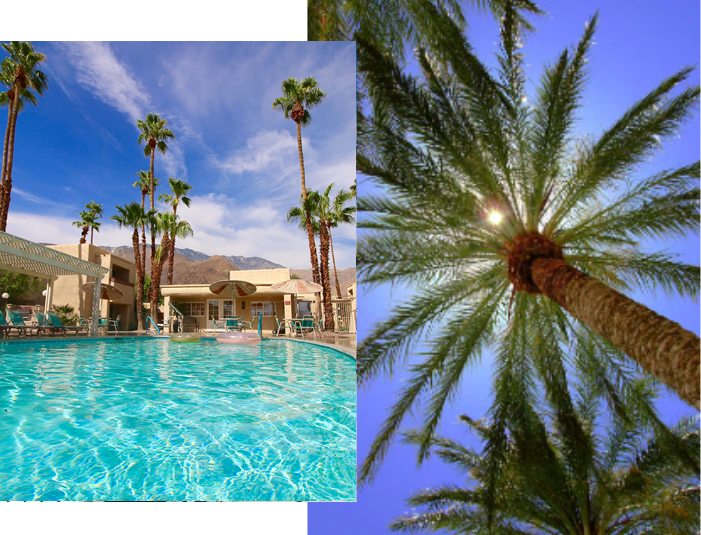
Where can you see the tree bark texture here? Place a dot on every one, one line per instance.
(329, 324)
(333, 257)
(156, 270)
(7, 182)
(6, 145)
(139, 281)
(662, 347)
(310, 231)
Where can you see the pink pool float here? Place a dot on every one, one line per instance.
(239, 339)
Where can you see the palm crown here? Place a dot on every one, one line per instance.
(492, 205)
(584, 471)
(298, 98)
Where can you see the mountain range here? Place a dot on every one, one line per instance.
(194, 267)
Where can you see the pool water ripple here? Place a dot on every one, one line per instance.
(151, 420)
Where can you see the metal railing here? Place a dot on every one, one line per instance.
(154, 324)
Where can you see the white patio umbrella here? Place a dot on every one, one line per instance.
(237, 288)
(108, 291)
(297, 286)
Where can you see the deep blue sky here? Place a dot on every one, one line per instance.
(240, 156)
(638, 44)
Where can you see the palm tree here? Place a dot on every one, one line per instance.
(514, 230)
(307, 213)
(339, 214)
(96, 211)
(169, 225)
(155, 134)
(577, 474)
(22, 62)
(86, 221)
(144, 184)
(296, 101)
(180, 189)
(133, 216)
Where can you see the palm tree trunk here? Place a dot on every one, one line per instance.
(156, 271)
(6, 145)
(335, 271)
(139, 282)
(7, 182)
(662, 347)
(310, 232)
(172, 253)
(91, 231)
(325, 283)
(152, 195)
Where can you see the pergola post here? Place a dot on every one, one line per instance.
(94, 321)
(48, 300)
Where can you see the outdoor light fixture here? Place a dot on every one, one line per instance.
(495, 217)
(43, 293)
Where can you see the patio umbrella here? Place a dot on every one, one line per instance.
(107, 291)
(237, 288)
(297, 286)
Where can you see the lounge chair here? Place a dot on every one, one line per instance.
(5, 327)
(280, 327)
(17, 321)
(57, 323)
(43, 322)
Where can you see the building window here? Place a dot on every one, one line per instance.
(267, 308)
(192, 309)
(228, 308)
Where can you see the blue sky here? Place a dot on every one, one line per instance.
(240, 156)
(637, 46)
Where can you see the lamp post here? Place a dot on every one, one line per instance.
(5, 296)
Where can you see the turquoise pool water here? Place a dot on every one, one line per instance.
(155, 420)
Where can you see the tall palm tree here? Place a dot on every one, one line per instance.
(155, 134)
(85, 223)
(133, 216)
(96, 211)
(514, 231)
(170, 226)
(22, 62)
(296, 101)
(180, 189)
(576, 474)
(308, 214)
(339, 214)
(144, 184)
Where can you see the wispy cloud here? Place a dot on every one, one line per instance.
(264, 151)
(30, 197)
(99, 70)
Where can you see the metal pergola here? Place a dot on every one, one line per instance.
(23, 256)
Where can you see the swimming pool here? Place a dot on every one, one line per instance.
(146, 419)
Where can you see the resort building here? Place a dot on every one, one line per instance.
(68, 289)
(203, 307)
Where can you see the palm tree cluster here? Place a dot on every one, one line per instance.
(89, 220)
(522, 240)
(23, 80)
(322, 213)
(166, 224)
(586, 470)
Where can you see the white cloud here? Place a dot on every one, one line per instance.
(265, 150)
(59, 230)
(99, 70)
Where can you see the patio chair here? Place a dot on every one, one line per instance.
(305, 326)
(5, 327)
(43, 322)
(17, 321)
(56, 322)
(236, 323)
(280, 327)
(115, 323)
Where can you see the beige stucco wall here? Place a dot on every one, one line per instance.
(262, 278)
(67, 289)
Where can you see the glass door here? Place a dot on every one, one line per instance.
(213, 312)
